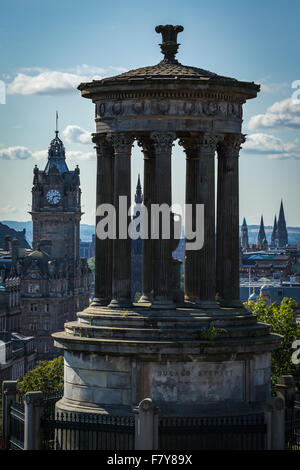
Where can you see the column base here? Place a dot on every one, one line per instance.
(206, 304)
(145, 299)
(120, 303)
(99, 302)
(162, 304)
(231, 303)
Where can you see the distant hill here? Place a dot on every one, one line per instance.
(293, 234)
(13, 233)
(86, 231)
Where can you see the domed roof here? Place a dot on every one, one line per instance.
(168, 69)
(56, 156)
(253, 296)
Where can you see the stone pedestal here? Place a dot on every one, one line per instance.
(116, 358)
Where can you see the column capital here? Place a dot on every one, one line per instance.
(103, 145)
(231, 144)
(122, 142)
(189, 146)
(163, 141)
(146, 145)
(207, 142)
(202, 143)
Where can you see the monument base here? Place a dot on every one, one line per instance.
(115, 358)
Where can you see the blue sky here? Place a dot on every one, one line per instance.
(47, 48)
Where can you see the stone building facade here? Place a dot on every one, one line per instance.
(17, 351)
(55, 280)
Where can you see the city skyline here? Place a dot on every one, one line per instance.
(47, 50)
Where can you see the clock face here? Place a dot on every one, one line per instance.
(53, 196)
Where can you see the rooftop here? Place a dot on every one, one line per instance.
(169, 68)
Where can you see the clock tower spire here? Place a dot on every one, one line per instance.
(56, 205)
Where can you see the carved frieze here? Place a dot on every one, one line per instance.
(170, 107)
(138, 107)
(163, 106)
(117, 108)
(189, 107)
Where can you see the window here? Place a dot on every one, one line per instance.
(33, 307)
(47, 308)
(46, 325)
(33, 288)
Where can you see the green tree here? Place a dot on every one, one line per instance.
(282, 321)
(91, 263)
(47, 377)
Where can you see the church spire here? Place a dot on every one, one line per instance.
(244, 236)
(274, 233)
(56, 153)
(138, 197)
(282, 234)
(261, 234)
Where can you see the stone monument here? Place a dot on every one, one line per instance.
(208, 355)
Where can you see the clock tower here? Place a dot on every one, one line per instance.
(56, 206)
(55, 280)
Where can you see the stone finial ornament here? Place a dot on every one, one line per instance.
(169, 45)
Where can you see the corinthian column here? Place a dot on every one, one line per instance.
(149, 197)
(121, 282)
(104, 195)
(200, 273)
(163, 142)
(228, 287)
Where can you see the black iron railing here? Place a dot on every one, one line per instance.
(292, 429)
(246, 432)
(87, 432)
(17, 419)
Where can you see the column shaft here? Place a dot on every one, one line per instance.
(228, 251)
(163, 142)
(149, 197)
(103, 248)
(200, 274)
(121, 283)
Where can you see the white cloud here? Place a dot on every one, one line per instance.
(40, 155)
(285, 113)
(265, 144)
(76, 155)
(42, 81)
(23, 153)
(75, 134)
(15, 153)
(9, 209)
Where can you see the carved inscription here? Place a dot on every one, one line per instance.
(197, 382)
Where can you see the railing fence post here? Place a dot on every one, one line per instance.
(32, 427)
(285, 389)
(146, 425)
(9, 395)
(275, 419)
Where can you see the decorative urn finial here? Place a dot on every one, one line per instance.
(169, 45)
